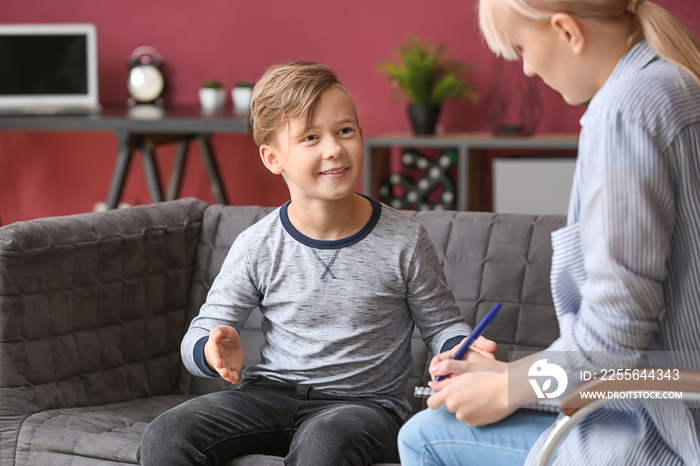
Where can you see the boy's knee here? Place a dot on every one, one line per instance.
(161, 439)
(159, 430)
(152, 436)
(346, 435)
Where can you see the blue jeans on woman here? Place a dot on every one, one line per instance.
(305, 426)
(436, 437)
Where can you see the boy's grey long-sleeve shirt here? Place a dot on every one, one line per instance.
(338, 315)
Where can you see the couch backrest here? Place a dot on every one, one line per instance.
(487, 258)
(506, 258)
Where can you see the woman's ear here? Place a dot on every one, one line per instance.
(268, 155)
(569, 30)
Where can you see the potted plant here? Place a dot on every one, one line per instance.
(427, 75)
(212, 96)
(241, 95)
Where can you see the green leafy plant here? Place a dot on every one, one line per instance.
(426, 73)
(244, 84)
(212, 85)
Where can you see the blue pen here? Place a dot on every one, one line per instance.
(476, 333)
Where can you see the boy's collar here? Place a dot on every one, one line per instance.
(335, 244)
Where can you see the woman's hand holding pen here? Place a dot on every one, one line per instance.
(475, 389)
(223, 352)
(444, 365)
(477, 398)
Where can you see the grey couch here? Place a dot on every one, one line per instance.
(93, 308)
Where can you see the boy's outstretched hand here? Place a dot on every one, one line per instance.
(223, 352)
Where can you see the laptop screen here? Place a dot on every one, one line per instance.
(48, 67)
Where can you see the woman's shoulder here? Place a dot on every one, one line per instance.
(658, 97)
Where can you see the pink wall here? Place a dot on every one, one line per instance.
(56, 173)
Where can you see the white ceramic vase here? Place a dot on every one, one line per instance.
(241, 97)
(212, 99)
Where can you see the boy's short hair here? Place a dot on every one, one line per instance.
(287, 91)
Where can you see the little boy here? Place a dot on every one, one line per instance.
(340, 279)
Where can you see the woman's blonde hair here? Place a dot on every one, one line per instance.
(666, 35)
(285, 92)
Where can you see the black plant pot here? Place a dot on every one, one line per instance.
(423, 118)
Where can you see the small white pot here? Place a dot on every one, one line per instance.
(241, 97)
(212, 98)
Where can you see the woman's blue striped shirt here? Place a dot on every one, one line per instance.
(626, 268)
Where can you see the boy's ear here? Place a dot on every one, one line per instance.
(268, 155)
(569, 30)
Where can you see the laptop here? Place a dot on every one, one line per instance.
(48, 69)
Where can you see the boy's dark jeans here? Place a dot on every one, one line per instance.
(306, 427)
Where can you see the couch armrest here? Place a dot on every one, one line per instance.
(92, 308)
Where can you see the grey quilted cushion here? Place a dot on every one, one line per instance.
(92, 436)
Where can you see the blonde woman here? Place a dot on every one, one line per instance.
(626, 268)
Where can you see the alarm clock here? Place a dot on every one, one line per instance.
(146, 81)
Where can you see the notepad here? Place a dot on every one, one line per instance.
(547, 405)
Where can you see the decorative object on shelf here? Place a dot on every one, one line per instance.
(241, 95)
(212, 96)
(146, 80)
(146, 111)
(403, 192)
(513, 106)
(428, 76)
(423, 118)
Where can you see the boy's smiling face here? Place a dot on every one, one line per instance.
(325, 162)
